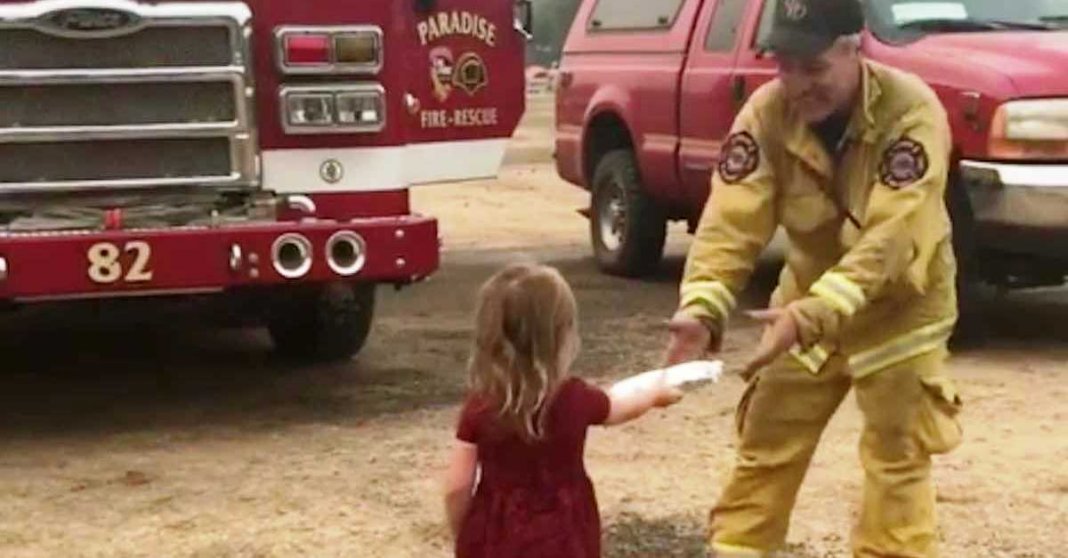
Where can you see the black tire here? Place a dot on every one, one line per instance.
(971, 330)
(322, 324)
(627, 228)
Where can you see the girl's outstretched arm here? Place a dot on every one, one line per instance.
(460, 483)
(634, 396)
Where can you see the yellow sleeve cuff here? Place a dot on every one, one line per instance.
(708, 299)
(843, 295)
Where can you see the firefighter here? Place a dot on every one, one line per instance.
(851, 158)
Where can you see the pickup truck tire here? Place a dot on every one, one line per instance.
(627, 228)
(972, 329)
(322, 324)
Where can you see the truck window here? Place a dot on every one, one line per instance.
(723, 32)
(631, 15)
(766, 19)
(899, 20)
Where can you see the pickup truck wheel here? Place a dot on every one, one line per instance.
(627, 228)
(322, 324)
(972, 329)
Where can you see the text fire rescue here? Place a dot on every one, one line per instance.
(460, 118)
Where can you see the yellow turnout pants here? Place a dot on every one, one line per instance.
(909, 414)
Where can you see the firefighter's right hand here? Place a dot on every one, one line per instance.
(690, 339)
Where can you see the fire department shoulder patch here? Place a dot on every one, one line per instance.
(740, 157)
(903, 164)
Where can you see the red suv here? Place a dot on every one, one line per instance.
(648, 90)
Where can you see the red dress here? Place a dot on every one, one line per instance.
(534, 500)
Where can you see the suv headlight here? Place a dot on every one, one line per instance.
(1035, 129)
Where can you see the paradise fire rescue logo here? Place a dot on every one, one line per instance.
(466, 72)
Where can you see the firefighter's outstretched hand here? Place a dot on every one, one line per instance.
(780, 333)
(689, 339)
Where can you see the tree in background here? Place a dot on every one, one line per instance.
(552, 21)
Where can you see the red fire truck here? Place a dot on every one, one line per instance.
(258, 152)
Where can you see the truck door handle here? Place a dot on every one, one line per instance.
(738, 89)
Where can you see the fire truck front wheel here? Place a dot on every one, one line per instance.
(326, 323)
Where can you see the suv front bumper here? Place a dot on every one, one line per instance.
(1020, 208)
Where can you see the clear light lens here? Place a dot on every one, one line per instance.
(1034, 130)
(356, 48)
(1038, 119)
(359, 109)
(307, 50)
(310, 109)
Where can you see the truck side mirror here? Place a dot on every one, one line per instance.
(524, 18)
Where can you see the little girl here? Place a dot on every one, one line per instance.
(523, 426)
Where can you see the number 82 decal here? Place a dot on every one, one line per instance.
(106, 262)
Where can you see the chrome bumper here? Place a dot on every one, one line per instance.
(1017, 195)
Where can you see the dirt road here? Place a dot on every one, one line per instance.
(178, 441)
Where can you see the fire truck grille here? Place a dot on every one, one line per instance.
(28, 49)
(164, 99)
(115, 160)
(97, 104)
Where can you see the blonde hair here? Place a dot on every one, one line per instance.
(526, 338)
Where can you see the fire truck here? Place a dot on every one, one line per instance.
(257, 153)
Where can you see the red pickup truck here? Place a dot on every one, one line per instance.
(648, 90)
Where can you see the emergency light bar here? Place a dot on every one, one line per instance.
(329, 50)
